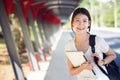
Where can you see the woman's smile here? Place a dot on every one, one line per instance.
(80, 28)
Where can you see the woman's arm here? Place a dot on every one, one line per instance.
(110, 56)
(75, 70)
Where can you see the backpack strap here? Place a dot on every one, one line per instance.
(92, 44)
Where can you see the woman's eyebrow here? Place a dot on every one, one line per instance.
(77, 18)
(83, 18)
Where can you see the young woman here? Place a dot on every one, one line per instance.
(81, 24)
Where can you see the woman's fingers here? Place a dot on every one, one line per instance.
(87, 65)
(95, 55)
(100, 62)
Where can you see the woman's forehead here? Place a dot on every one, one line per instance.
(80, 16)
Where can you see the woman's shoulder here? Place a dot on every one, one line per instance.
(69, 44)
(101, 42)
(70, 40)
(99, 39)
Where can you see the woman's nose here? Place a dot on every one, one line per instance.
(80, 23)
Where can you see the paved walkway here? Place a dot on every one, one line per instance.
(58, 67)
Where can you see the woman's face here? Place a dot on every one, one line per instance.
(80, 23)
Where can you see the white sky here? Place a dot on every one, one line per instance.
(104, 0)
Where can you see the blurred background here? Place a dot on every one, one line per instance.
(33, 34)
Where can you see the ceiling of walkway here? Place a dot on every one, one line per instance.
(61, 8)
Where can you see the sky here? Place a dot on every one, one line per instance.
(104, 0)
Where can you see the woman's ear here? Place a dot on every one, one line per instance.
(73, 28)
(89, 24)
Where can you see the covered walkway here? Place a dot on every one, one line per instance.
(44, 20)
(39, 22)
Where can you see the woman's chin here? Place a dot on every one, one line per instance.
(80, 32)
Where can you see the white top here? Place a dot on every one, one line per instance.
(100, 47)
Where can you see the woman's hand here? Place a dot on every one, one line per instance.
(87, 65)
(100, 62)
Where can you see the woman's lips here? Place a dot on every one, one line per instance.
(80, 28)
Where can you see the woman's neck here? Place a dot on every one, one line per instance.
(81, 38)
(82, 42)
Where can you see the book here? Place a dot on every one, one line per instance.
(77, 58)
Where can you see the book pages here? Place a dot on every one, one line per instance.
(77, 58)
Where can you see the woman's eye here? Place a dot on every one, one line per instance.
(76, 20)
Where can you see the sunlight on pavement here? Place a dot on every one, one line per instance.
(39, 75)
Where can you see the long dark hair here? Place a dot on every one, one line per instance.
(82, 11)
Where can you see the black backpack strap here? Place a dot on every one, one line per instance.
(92, 44)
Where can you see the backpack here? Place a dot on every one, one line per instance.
(112, 68)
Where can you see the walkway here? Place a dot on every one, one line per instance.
(58, 67)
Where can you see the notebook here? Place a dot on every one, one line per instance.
(77, 58)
